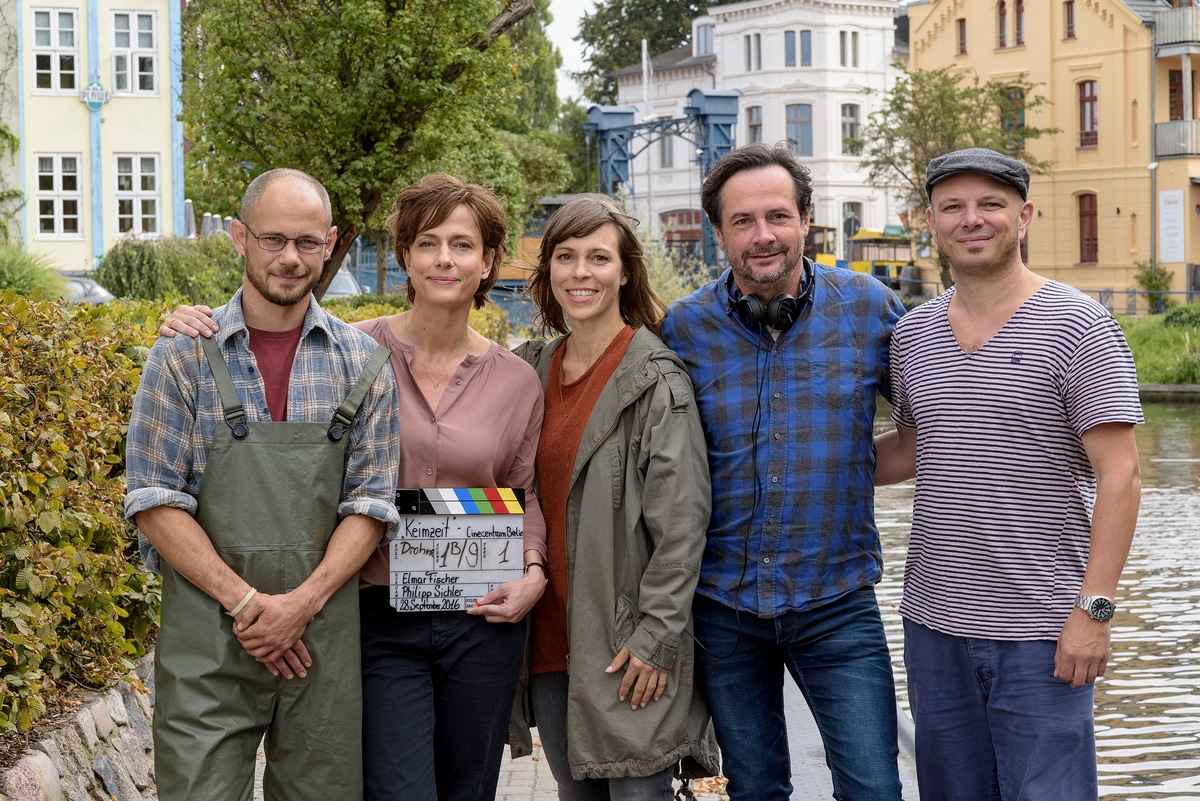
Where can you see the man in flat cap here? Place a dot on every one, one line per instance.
(1014, 399)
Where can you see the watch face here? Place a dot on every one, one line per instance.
(1102, 609)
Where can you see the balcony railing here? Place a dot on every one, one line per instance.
(1177, 26)
(1177, 138)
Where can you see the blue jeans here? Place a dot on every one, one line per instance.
(438, 690)
(549, 696)
(839, 659)
(992, 721)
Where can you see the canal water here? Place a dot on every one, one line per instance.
(1148, 703)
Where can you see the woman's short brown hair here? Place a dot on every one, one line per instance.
(639, 304)
(429, 202)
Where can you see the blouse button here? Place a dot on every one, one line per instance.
(458, 381)
(429, 471)
(433, 419)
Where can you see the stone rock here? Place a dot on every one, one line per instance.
(139, 720)
(50, 748)
(104, 721)
(145, 672)
(130, 751)
(116, 708)
(33, 778)
(77, 759)
(86, 725)
(115, 779)
(76, 788)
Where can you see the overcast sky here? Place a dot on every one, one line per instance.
(562, 31)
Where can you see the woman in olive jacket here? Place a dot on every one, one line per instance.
(623, 483)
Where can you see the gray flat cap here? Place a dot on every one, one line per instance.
(980, 160)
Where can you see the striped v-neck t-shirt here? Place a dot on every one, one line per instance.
(1004, 496)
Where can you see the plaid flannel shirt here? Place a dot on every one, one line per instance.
(789, 425)
(177, 409)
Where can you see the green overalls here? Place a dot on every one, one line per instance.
(269, 503)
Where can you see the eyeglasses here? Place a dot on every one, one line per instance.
(274, 242)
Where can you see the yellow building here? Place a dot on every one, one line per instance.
(97, 107)
(1124, 187)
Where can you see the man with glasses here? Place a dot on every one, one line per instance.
(262, 466)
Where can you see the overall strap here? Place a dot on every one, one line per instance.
(235, 417)
(345, 413)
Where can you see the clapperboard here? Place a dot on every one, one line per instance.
(455, 545)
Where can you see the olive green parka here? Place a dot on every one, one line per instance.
(637, 512)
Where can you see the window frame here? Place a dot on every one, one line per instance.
(135, 55)
(1086, 206)
(1089, 112)
(704, 40)
(855, 122)
(805, 48)
(55, 51)
(666, 151)
(1001, 25)
(137, 196)
(1068, 19)
(58, 196)
(1019, 23)
(754, 125)
(801, 126)
(960, 28)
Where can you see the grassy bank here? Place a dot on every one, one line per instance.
(1166, 347)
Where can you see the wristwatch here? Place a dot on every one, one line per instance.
(1098, 607)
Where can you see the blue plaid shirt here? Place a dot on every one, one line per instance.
(789, 424)
(177, 409)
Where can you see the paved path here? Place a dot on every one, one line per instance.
(529, 779)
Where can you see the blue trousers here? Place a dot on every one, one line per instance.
(838, 657)
(993, 723)
(438, 690)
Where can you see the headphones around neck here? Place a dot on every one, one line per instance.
(779, 312)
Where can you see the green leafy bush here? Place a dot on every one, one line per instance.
(1154, 282)
(74, 603)
(1187, 316)
(22, 272)
(205, 271)
(1164, 353)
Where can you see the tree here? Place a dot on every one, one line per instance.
(931, 112)
(612, 34)
(355, 93)
(11, 199)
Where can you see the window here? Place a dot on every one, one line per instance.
(1069, 19)
(1175, 95)
(1019, 23)
(666, 151)
(1001, 24)
(852, 214)
(58, 197)
(789, 48)
(754, 125)
(1014, 112)
(961, 27)
(704, 40)
(1089, 122)
(849, 48)
(1089, 245)
(800, 129)
(849, 129)
(805, 48)
(753, 44)
(137, 194)
(55, 50)
(135, 52)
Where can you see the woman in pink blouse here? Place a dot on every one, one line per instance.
(438, 686)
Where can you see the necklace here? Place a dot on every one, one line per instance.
(437, 382)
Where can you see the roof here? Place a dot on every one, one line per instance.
(1146, 8)
(677, 59)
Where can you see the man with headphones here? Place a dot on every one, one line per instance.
(787, 358)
